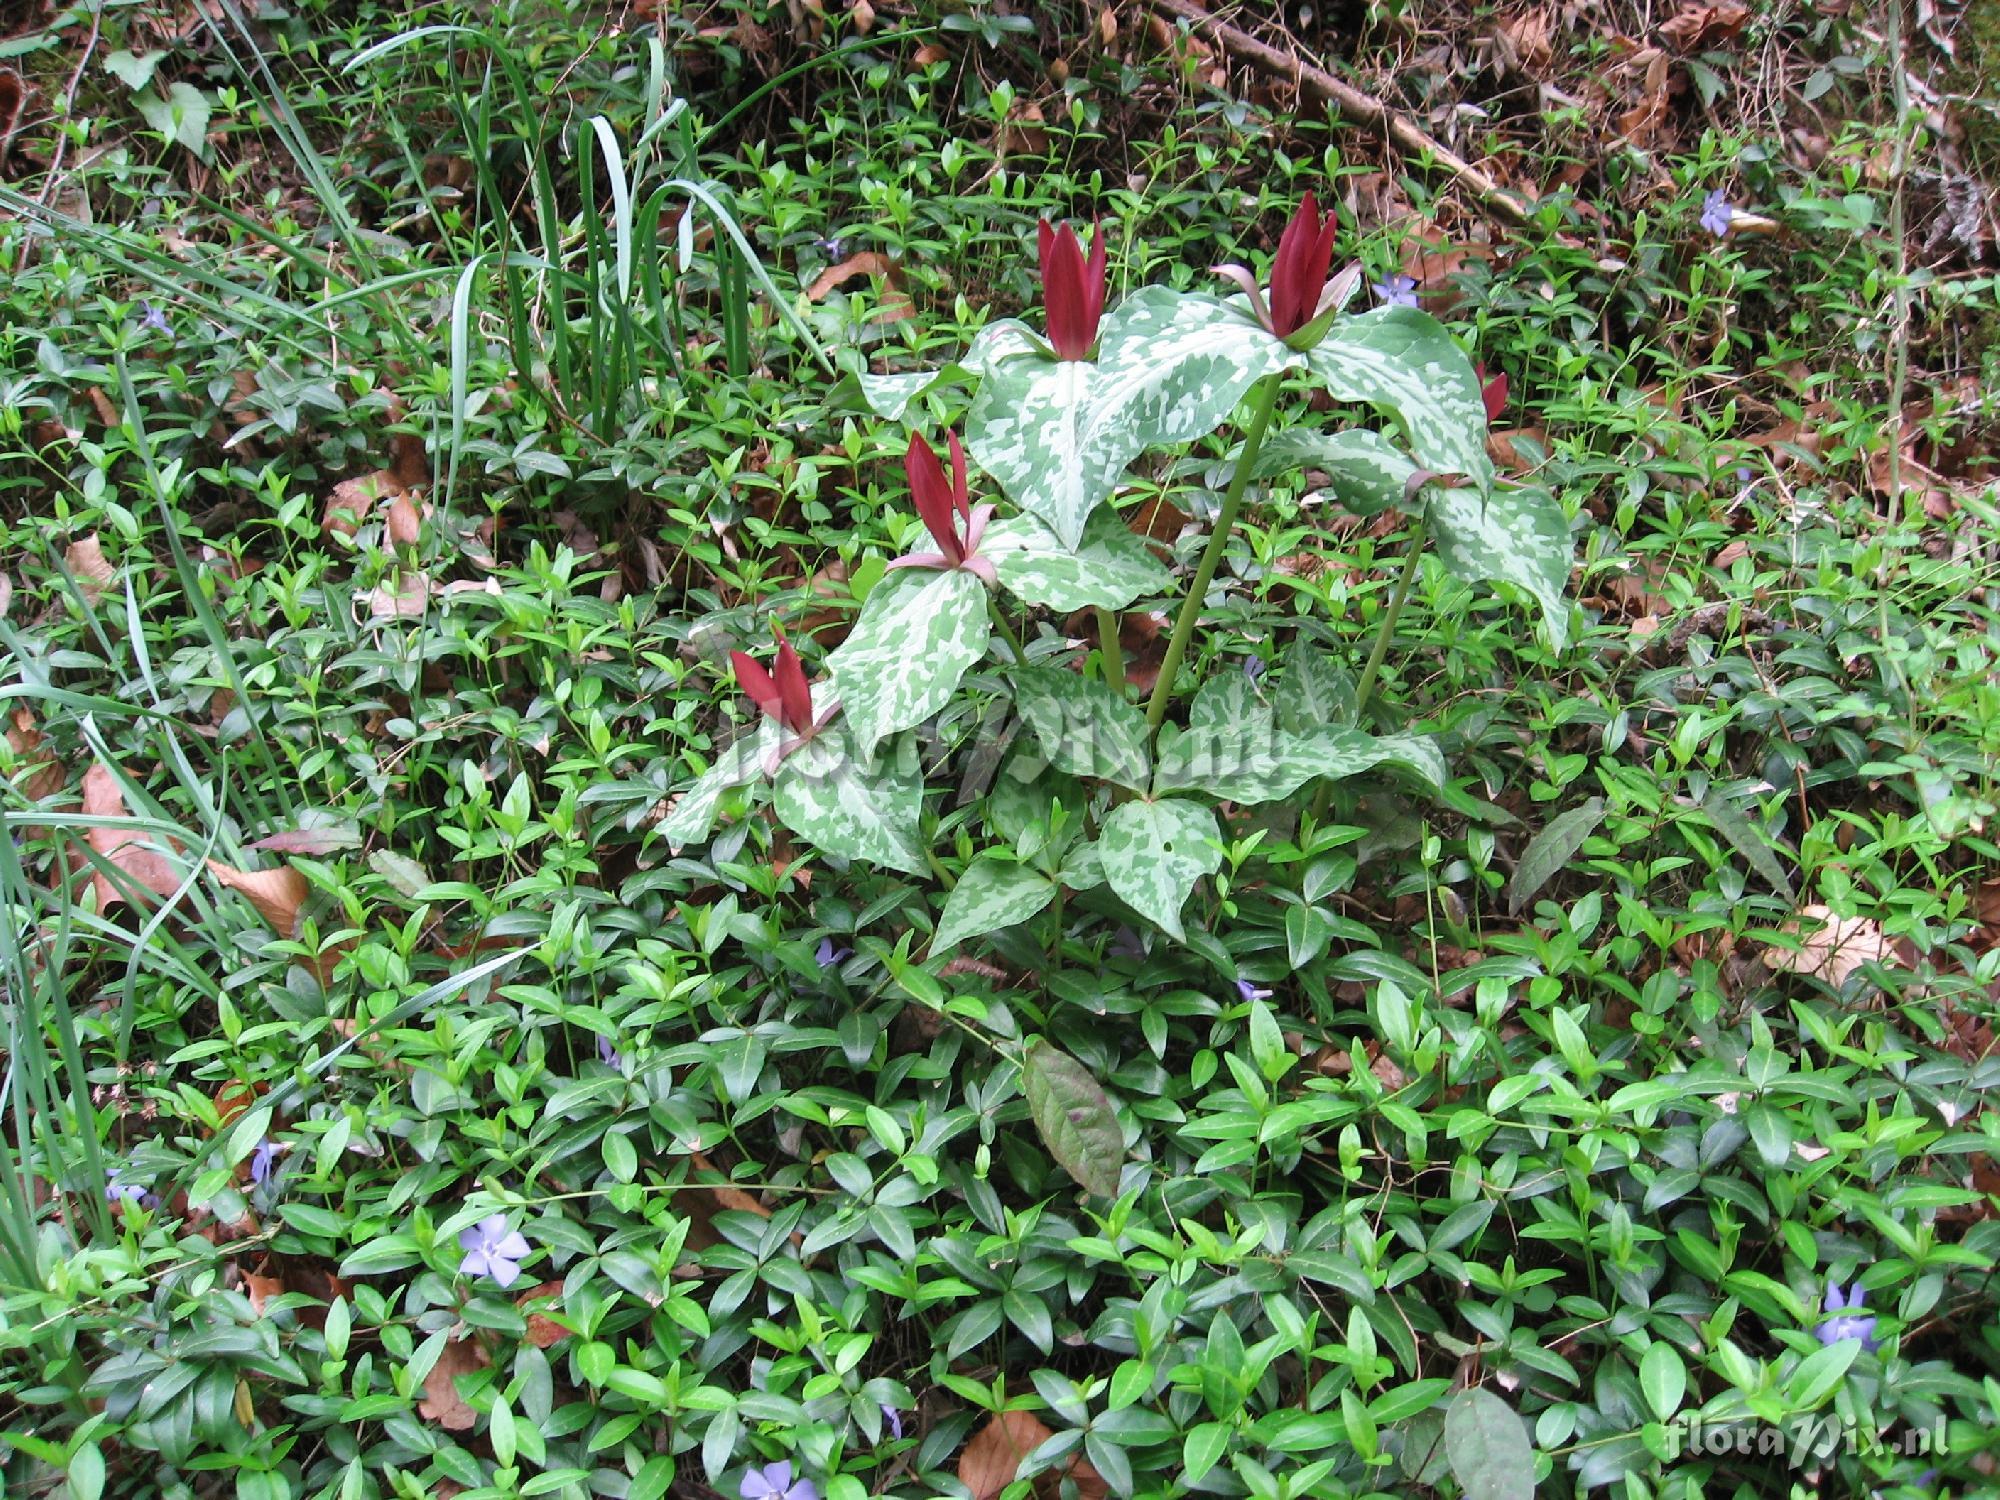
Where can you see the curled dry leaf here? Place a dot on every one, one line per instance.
(1699, 27)
(351, 501)
(402, 595)
(441, 1402)
(277, 894)
(862, 14)
(39, 774)
(1830, 948)
(94, 573)
(543, 1332)
(125, 849)
(993, 1457)
(404, 525)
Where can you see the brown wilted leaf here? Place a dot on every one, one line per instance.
(699, 1203)
(309, 841)
(352, 501)
(1699, 27)
(408, 464)
(864, 263)
(927, 54)
(261, 1289)
(1830, 948)
(1526, 38)
(107, 410)
(233, 1098)
(94, 573)
(862, 14)
(404, 525)
(1107, 26)
(125, 849)
(993, 1457)
(277, 894)
(403, 595)
(441, 1402)
(41, 776)
(543, 1332)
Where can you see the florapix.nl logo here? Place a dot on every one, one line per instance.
(1804, 1441)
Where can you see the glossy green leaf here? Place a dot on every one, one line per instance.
(1491, 1457)
(738, 764)
(1549, 850)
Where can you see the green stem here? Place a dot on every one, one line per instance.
(1265, 400)
(1384, 633)
(1006, 630)
(1113, 653)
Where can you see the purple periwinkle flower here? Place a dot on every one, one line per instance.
(1716, 213)
(1396, 290)
(826, 955)
(126, 1192)
(895, 1420)
(775, 1482)
(262, 1160)
(492, 1247)
(1247, 991)
(1848, 1320)
(609, 1055)
(153, 317)
(1253, 667)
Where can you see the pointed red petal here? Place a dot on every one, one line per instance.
(1094, 278)
(1063, 296)
(961, 488)
(1045, 236)
(756, 684)
(791, 679)
(1298, 275)
(931, 495)
(1494, 394)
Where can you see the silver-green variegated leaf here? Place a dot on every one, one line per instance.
(1314, 690)
(890, 396)
(1405, 362)
(1517, 535)
(1058, 435)
(1082, 868)
(739, 764)
(1108, 570)
(1154, 853)
(919, 632)
(1084, 728)
(1228, 698)
(865, 813)
(991, 894)
(1252, 761)
(1415, 753)
(1365, 472)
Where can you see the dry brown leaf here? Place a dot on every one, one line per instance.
(94, 573)
(261, 1289)
(44, 777)
(927, 54)
(403, 595)
(699, 1203)
(306, 841)
(404, 525)
(543, 1332)
(1107, 26)
(862, 14)
(993, 1457)
(107, 411)
(125, 849)
(441, 1402)
(1834, 950)
(6, 594)
(1699, 27)
(277, 894)
(353, 500)
(1526, 36)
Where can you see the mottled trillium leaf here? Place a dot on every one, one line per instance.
(890, 396)
(1074, 1117)
(1365, 472)
(1551, 849)
(1405, 362)
(1229, 698)
(737, 765)
(1491, 1457)
(991, 894)
(1058, 435)
(1516, 535)
(860, 812)
(917, 635)
(1155, 852)
(1084, 728)
(1314, 691)
(1251, 761)
(1108, 570)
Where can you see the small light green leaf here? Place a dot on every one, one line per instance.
(1153, 854)
(1108, 570)
(1202, 1448)
(868, 814)
(917, 635)
(1058, 435)
(1517, 535)
(991, 894)
(404, 874)
(1365, 473)
(1074, 1117)
(85, 1472)
(1491, 1457)
(1084, 728)
(134, 71)
(1820, 1373)
(738, 764)
(1549, 850)
(1664, 1379)
(181, 116)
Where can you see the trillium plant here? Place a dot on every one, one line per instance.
(1086, 791)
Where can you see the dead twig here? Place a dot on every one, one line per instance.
(1356, 106)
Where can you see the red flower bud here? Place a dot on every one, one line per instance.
(1072, 290)
(1298, 275)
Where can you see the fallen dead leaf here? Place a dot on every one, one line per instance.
(1833, 951)
(40, 775)
(94, 573)
(1699, 27)
(543, 1332)
(404, 524)
(277, 894)
(1526, 37)
(993, 1457)
(701, 1202)
(862, 14)
(441, 1402)
(125, 849)
(927, 54)
(353, 500)
(261, 1289)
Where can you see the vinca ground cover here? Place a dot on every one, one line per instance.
(807, 751)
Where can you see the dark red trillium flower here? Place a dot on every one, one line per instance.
(946, 509)
(783, 695)
(1299, 290)
(1492, 392)
(1072, 289)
